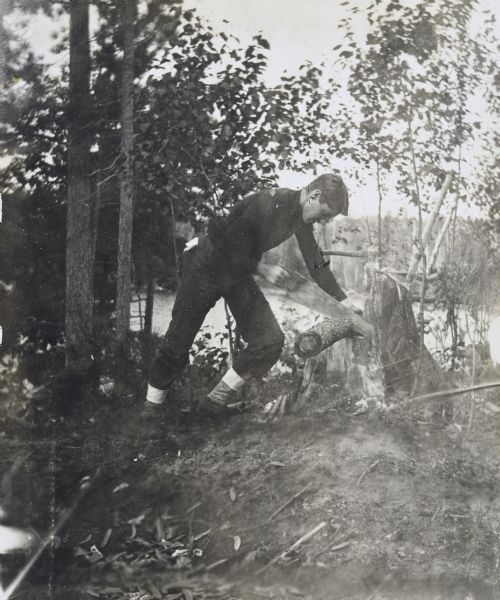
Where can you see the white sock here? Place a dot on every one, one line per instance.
(155, 396)
(233, 380)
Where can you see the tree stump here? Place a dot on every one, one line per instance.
(388, 307)
(353, 361)
(385, 361)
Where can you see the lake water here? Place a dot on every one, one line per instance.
(288, 313)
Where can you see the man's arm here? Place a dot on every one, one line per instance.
(316, 265)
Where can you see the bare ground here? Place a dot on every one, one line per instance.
(409, 501)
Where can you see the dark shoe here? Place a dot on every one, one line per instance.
(216, 412)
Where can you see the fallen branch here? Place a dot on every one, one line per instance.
(273, 411)
(282, 408)
(288, 502)
(453, 391)
(294, 546)
(192, 508)
(338, 547)
(366, 471)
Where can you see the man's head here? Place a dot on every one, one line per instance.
(324, 198)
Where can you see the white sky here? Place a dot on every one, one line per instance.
(298, 30)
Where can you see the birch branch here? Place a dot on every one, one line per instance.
(428, 228)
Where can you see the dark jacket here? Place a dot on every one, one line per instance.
(260, 222)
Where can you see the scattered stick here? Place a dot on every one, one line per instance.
(282, 408)
(216, 564)
(278, 408)
(328, 546)
(366, 471)
(274, 409)
(288, 502)
(191, 508)
(338, 547)
(208, 568)
(453, 391)
(294, 546)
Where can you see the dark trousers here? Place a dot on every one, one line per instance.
(204, 280)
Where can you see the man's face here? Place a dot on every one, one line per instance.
(315, 211)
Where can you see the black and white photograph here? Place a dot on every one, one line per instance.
(249, 300)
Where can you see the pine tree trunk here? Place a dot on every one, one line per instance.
(127, 178)
(79, 264)
(150, 297)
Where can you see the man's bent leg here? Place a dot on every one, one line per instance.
(264, 338)
(259, 328)
(194, 299)
(197, 294)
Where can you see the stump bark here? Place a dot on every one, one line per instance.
(391, 360)
(388, 307)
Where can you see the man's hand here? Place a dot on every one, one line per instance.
(274, 274)
(349, 304)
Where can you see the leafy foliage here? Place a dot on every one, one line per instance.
(208, 131)
(415, 76)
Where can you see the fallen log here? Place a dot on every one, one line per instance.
(310, 295)
(323, 335)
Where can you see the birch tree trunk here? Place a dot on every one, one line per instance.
(127, 178)
(79, 264)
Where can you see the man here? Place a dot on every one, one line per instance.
(222, 264)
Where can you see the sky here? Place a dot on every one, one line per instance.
(298, 30)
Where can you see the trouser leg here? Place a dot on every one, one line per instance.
(197, 294)
(258, 327)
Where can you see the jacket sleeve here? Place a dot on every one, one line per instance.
(316, 264)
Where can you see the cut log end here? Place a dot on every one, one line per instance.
(308, 344)
(323, 335)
